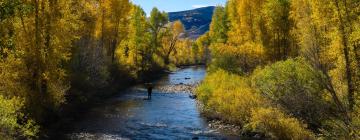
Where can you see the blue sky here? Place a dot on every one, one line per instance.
(176, 5)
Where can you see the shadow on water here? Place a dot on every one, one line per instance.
(130, 116)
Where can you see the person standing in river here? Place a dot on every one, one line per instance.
(149, 90)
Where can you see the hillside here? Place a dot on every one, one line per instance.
(196, 21)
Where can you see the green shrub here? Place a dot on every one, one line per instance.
(295, 86)
(12, 123)
(336, 129)
(230, 97)
(276, 125)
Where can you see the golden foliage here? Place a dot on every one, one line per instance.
(276, 125)
(237, 59)
(231, 98)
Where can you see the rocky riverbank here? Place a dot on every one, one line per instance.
(224, 127)
(179, 88)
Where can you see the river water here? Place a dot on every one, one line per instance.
(166, 116)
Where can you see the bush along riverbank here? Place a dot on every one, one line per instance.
(255, 106)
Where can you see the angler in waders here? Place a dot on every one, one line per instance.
(149, 89)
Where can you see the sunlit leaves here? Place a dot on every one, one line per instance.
(219, 26)
(232, 98)
(11, 115)
(277, 125)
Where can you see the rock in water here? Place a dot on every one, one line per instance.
(195, 138)
(193, 96)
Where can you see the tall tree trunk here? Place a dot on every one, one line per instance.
(357, 53)
(115, 40)
(37, 48)
(171, 49)
(344, 41)
(102, 41)
(315, 59)
(356, 44)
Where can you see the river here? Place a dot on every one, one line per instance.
(129, 115)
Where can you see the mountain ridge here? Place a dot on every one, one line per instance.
(196, 21)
